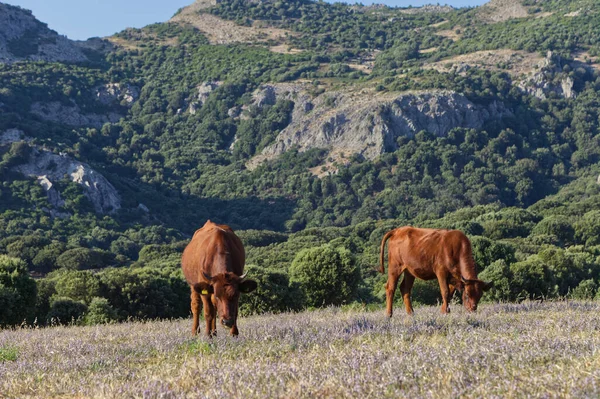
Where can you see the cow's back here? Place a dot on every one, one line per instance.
(422, 250)
(213, 249)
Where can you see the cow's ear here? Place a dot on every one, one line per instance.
(247, 286)
(487, 286)
(203, 288)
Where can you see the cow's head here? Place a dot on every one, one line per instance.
(226, 288)
(472, 292)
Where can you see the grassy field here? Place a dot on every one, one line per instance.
(509, 350)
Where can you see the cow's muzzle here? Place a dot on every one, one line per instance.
(227, 322)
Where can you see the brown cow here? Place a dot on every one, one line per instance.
(213, 263)
(429, 254)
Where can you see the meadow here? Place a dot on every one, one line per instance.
(532, 349)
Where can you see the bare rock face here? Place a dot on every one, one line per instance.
(368, 123)
(112, 93)
(71, 115)
(49, 168)
(23, 37)
(540, 86)
(266, 95)
(204, 91)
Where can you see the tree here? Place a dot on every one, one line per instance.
(65, 311)
(327, 275)
(556, 225)
(274, 293)
(498, 273)
(17, 292)
(100, 312)
(81, 259)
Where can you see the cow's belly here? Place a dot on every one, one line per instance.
(422, 272)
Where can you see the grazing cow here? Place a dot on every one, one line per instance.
(429, 254)
(213, 263)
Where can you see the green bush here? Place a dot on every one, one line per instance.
(500, 275)
(586, 290)
(65, 311)
(100, 312)
(326, 275)
(274, 293)
(531, 279)
(556, 225)
(486, 251)
(423, 292)
(81, 259)
(17, 292)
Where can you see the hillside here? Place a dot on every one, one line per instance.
(527, 350)
(22, 37)
(300, 124)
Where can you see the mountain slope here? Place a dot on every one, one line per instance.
(22, 37)
(358, 120)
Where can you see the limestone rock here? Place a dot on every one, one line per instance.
(540, 84)
(18, 26)
(71, 115)
(204, 91)
(48, 168)
(112, 93)
(368, 123)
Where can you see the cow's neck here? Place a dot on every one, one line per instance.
(467, 270)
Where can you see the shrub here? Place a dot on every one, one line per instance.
(585, 290)
(498, 273)
(100, 312)
(65, 311)
(274, 293)
(486, 251)
(423, 292)
(531, 279)
(326, 275)
(81, 259)
(17, 291)
(556, 225)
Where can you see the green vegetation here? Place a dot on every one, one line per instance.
(523, 187)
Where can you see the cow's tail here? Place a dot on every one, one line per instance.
(381, 253)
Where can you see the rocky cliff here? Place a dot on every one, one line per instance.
(23, 37)
(366, 122)
(48, 168)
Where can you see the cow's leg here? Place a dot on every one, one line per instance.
(195, 311)
(405, 289)
(390, 290)
(445, 290)
(213, 300)
(234, 330)
(210, 315)
(452, 290)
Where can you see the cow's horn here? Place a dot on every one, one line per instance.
(206, 276)
(243, 276)
(464, 280)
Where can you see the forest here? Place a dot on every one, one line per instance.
(525, 187)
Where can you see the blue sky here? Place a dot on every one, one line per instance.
(81, 19)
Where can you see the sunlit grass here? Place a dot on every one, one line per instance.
(529, 349)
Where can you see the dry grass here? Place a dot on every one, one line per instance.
(428, 50)
(502, 10)
(503, 351)
(584, 57)
(515, 62)
(285, 49)
(221, 31)
(450, 33)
